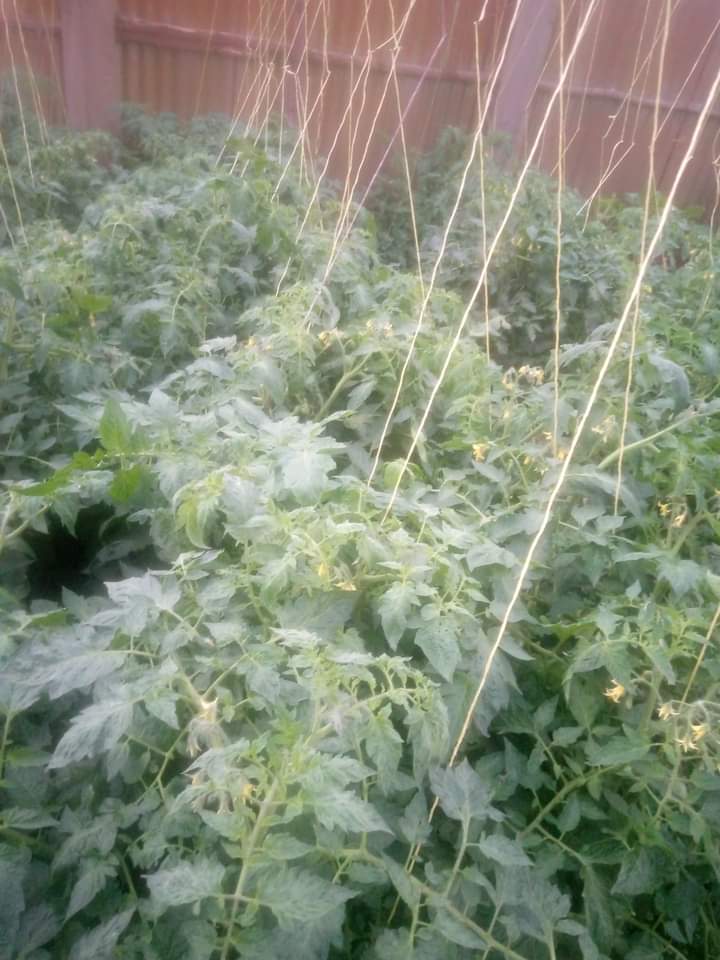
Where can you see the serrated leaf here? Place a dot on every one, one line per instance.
(457, 932)
(682, 575)
(438, 641)
(126, 483)
(617, 751)
(504, 851)
(402, 882)
(115, 429)
(490, 554)
(641, 872)
(93, 879)
(384, 746)
(462, 794)
(305, 472)
(566, 736)
(343, 809)
(100, 943)
(97, 729)
(186, 882)
(283, 846)
(38, 926)
(17, 819)
(674, 379)
(164, 709)
(299, 896)
(394, 607)
(66, 666)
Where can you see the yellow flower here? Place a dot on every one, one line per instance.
(323, 570)
(508, 380)
(527, 460)
(324, 337)
(605, 428)
(680, 519)
(699, 730)
(370, 326)
(616, 692)
(388, 329)
(547, 435)
(666, 710)
(251, 342)
(562, 454)
(208, 710)
(347, 585)
(664, 508)
(687, 743)
(534, 375)
(479, 450)
(247, 791)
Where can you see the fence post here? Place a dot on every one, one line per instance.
(525, 60)
(91, 64)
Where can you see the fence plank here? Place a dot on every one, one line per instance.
(525, 60)
(91, 63)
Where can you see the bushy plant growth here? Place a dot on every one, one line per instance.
(230, 685)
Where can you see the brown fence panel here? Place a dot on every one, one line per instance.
(619, 75)
(31, 56)
(325, 66)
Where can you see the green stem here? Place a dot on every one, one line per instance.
(558, 798)
(4, 742)
(440, 900)
(458, 860)
(248, 850)
(348, 375)
(628, 448)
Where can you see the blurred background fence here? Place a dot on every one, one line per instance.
(349, 71)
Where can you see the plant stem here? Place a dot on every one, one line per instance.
(348, 375)
(558, 798)
(4, 742)
(643, 441)
(248, 850)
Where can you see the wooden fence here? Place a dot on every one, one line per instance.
(349, 70)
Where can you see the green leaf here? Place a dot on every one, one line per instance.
(299, 896)
(616, 752)
(490, 554)
(38, 926)
(97, 729)
(438, 641)
(394, 607)
(164, 709)
(305, 472)
(384, 747)
(462, 794)
(63, 666)
(89, 884)
(343, 809)
(115, 429)
(126, 483)
(643, 871)
(100, 943)
(15, 818)
(506, 852)
(682, 575)
(566, 736)
(402, 882)
(455, 931)
(673, 378)
(186, 882)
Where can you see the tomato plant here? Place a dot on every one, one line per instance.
(230, 683)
